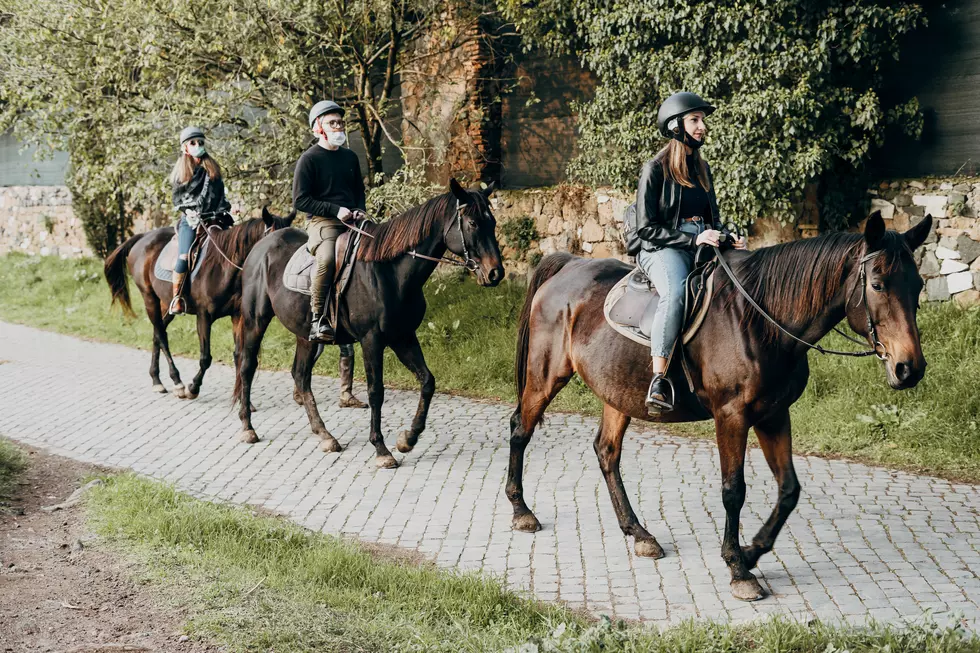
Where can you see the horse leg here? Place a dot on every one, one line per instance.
(236, 330)
(252, 332)
(608, 447)
(204, 339)
(302, 376)
(539, 391)
(160, 323)
(298, 385)
(732, 434)
(155, 365)
(777, 444)
(373, 349)
(409, 352)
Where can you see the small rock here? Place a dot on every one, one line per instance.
(968, 298)
(183, 638)
(929, 266)
(917, 185)
(945, 252)
(886, 208)
(77, 546)
(937, 290)
(903, 200)
(968, 248)
(959, 282)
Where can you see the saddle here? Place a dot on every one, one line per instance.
(299, 268)
(632, 303)
(163, 269)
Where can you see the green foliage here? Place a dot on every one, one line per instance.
(12, 463)
(796, 86)
(405, 189)
(105, 219)
(262, 584)
(519, 233)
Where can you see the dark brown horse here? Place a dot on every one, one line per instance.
(745, 372)
(214, 293)
(383, 305)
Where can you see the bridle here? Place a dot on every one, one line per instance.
(879, 349)
(467, 262)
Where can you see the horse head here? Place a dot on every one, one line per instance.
(472, 235)
(884, 299)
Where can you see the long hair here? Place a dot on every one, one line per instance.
(184, 168)
(674, 158)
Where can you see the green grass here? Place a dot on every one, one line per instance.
(468, 337)
(12, 463)
(258, 583)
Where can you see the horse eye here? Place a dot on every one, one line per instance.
(877, 287)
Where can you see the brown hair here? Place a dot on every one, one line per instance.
(673, 157)
(184, 168)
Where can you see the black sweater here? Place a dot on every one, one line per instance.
(325, 180)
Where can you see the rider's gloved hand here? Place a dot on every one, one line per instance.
(343, 213)
(741, 242)
(710, 237)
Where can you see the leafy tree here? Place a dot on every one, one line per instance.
(796, 83)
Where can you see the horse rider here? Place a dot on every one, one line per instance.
(199, 196)
(676, 211)
(328, 186)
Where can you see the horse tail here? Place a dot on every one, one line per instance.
(548, 267)
(115, 274)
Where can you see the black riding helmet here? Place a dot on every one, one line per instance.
(677, 106)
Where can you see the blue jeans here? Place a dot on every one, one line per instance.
(185, 238)
(668, 268)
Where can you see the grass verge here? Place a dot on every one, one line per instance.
(12, 463)
(259, 583)
(468, 338)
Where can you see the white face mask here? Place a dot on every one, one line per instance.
(196, 151)
(336, 139)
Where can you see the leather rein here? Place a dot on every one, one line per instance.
(879, 348)
(467, 262)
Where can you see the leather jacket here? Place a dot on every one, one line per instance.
(658, 203)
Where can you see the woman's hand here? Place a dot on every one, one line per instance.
(344, 212)
(741, 242)
(709, 237)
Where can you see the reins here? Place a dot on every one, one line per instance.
(467, 262)
(872, 331)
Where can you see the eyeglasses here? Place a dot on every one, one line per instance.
(334, 124)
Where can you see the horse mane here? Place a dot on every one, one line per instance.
(404, 232)
(795, 281)
(237, 241)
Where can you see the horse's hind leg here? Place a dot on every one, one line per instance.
(204, 322)
(409, 352)
(608, 447)
(252, 332)
(302, 376)
(777, 445)
(373, 347)
(539, 391)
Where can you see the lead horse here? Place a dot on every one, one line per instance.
(214, 293)
(382, 307)
(746, 372)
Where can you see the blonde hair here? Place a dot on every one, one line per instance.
(673, 157)
(184, 168)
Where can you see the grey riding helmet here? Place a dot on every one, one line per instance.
(322, 107)
(677, 106)
(191, 132)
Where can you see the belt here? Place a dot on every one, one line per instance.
(696, 218)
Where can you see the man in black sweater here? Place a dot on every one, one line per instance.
(327, 185)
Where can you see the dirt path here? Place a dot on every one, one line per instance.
(58, 593)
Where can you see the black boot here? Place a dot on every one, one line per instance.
(660, 396)
(320, 330)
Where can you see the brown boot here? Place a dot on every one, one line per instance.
(177, 303)
(347, 398)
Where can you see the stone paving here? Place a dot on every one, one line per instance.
(864, 542)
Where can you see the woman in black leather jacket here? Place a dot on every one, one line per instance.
(676, 211)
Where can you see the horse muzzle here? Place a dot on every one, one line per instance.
(490, 275)
(905, 374)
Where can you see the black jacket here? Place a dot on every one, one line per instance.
(658, 203)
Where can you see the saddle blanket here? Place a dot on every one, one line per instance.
(298, 270)
(163, 269)
(632, 303)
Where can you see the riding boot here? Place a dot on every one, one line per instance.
(347, 398)
(177, 303)
(320, 329)
(657, 396)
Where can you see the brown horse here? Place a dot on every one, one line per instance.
(214, 293)
(746, 373)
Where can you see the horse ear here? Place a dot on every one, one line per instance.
(917, 235)
(266, 216)
(459, 191)
(291, 217)
(488, 191)
(874, 230)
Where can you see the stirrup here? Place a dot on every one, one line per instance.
(662, 405)
(176, 307)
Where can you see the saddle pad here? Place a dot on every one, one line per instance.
(163, 269)
(630, 311)
(298, 271)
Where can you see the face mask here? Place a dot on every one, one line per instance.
(196, 151)
(336, 139)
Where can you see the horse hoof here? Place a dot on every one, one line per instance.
(330, 445)
(747, 590)
(180, 391)
(648, 549)
(402, 445)
(386, 462)
(252, 407)
(191, 395)
(159, 388)
(249, 436)
(527, 523)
